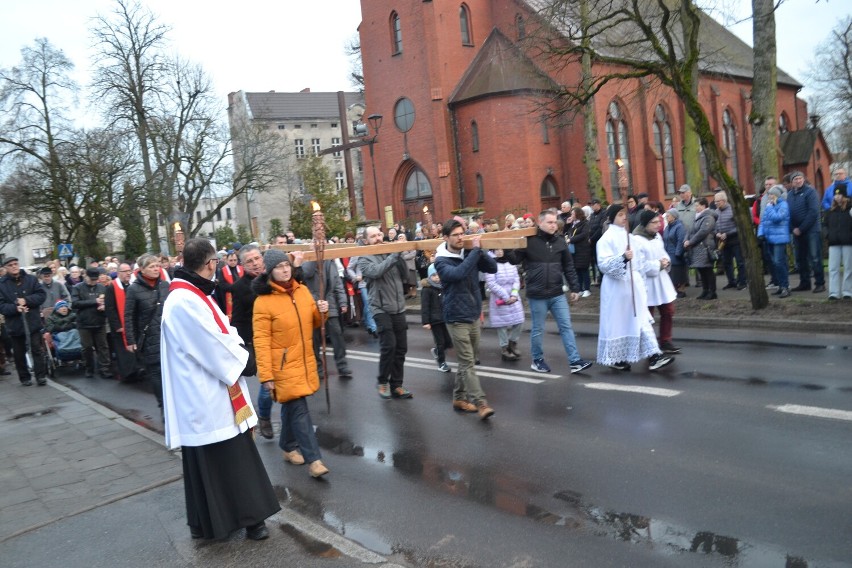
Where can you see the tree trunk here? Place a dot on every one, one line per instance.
(763, 93)
(691, 142)
(590, 124)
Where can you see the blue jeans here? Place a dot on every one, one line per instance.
(809, 257)
(264, 403)
(779, 264)
(369, 322)
(297, 430)
(557, 306)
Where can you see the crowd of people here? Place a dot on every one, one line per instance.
(197, 326)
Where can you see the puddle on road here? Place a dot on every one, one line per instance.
(515, 496)
(311, 545)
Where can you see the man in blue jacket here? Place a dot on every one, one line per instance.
(21, 296)
(459, 271)
(804, 222)
(839, 181)
(546, 262)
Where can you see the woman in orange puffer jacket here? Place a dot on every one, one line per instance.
(285, 315)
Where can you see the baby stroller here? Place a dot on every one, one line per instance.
(67, 349)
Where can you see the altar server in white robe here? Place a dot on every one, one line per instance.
(626, 327)
(208, 410)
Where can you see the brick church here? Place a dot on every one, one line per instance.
(460, 128)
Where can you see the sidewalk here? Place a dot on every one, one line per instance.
(83, 486)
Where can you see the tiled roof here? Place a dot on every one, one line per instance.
(298, 106)
(798, 146)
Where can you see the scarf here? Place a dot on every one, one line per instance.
(242, 411)
(118, 289)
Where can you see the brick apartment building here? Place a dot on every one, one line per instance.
(461, 128)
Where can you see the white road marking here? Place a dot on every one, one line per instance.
(815, 411)
(629, 388)
(482, 371)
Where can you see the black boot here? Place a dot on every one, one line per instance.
(513, 347)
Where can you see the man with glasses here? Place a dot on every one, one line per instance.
(459, 271)
(385, 275)
(21, 296)
(547, 262)
(727, 238)
(208, 409)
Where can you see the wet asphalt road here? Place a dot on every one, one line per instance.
(703, 469)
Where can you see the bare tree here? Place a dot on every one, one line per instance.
(832, 78)
(653, 40)
(356, 72)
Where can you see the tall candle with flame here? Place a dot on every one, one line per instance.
(178, 238)
(427, 222)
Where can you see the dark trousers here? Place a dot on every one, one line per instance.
(584, 278)
(731, 253)
(154, 374)
(333, 333)
(393, 345)
(19, 348)
(443, 341)
(809, 257)
(94, 341)
(708, 279)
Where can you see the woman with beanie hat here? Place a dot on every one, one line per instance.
(626, 333)
(285, 316)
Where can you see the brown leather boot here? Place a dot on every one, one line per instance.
(484, 410)
(265, 427)
(464, 406)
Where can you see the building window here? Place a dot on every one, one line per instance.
(464, 22)
(480, 189)
(474, 136)
(298, 126)
(282, 127)
(335, 142)
(396, 34)
(548, 188)
(219, 215)
(403, 114)
(417, 185)
(545, 131)
(360, 161)
(618, 150)
(315, 146)
(313, 125)
(520, 26)
(783, 123)
(665, 148)
(334, 125)
(228, 213)
(729, 134)
(301, 181)
(300, 148)
(338, 179)
(198, 217)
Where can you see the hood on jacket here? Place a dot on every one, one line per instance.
(443, 251)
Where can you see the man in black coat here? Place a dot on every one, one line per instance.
(596, 223)
(89, 301)
(21, 296)
(114, 300)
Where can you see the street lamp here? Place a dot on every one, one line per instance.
(376, 123)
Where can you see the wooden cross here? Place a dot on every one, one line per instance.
(512, 239)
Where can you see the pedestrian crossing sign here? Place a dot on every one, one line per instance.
(66, 250)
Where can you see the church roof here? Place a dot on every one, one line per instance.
(797, 146)
(298, 106)
(499, 68)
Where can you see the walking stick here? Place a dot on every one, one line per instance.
(630, 262)
(318, 230)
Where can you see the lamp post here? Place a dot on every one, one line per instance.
(376, 123)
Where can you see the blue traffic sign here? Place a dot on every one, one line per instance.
(66, 250)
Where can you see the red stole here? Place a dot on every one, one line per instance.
(118, 290)
(228, 277)
(242, 411)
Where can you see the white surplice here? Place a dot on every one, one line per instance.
(623, 337)
(199, 363)
(658, 283)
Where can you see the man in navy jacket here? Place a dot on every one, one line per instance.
(805, 225)
(21, 296)
(459, 271)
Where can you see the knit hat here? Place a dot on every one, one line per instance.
(612, 211)
(776, 190)
(794, 175)
(93, 273)
(674, 214)
(60, 304)
(646, 217)
(272, 258)
(429, 272)
(839, 191)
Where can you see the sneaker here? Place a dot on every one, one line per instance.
(384, 391)
(41, 382)
(347, 374)
(484, 410)
(434, 352)
(729, 286)
(741, 286)
(620, 366)
(464, 406)
(295, 457)
(801, 288)
(265, 427)
(771, 286)
(580, 365)
(659, 361)
(401, 392)
(669, 348)
(819, 289)
(444, 368)
(785, 293)
(317, 469)
(585, 294)
(681, 294)
(539, 366)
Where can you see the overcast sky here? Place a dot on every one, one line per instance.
(289, 45)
